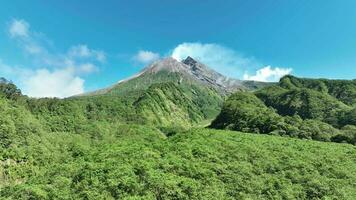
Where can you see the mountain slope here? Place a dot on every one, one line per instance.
(169, 104)
(169, 92)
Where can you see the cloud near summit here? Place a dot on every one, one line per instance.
(228, 61)
(220, 58)
(268, 74)
(146, 57)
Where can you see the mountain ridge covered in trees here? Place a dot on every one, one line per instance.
(318, 109)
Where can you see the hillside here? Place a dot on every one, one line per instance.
(314, 109)
(169, 104)
(343, 90)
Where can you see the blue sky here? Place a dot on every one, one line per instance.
(61, 48)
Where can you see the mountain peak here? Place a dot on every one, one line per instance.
(189, 61)
(168, 59)
(167, 64)
(195, 70)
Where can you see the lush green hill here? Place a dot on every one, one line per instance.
(170, 104)
(307, 103)
(311, 98)
(303, 108)
(343, 90)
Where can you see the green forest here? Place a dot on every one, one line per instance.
(156, 142)
(317, 109)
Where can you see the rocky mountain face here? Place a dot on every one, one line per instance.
(209, 76)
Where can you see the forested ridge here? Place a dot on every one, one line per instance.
(143, 145)
(316, 109)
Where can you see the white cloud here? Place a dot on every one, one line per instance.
(33, 48)
(100, 56)
(19, 28)
(43, 82)
(218, 57)
(86, 68)
(268, 74)
(58, 83)
(146, 57)
(80, 51)
(83, 51)
(52, 74)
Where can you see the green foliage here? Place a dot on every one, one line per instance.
(243, 111)
(347, 117)
(92, 147)
(348, 135)
(16, 123)
(138, 162)
(302, 113)
(9, 90)
(343, 90)
(169, 104)
(307, 103)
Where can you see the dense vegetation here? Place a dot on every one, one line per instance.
(168, 105)
(343, 90)
(303, 108)
(92, 147)
(137, 162)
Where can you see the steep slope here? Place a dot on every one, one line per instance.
(322, 99)
(169, 104)
(295, 107)
(343, 90)
(307, 103)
